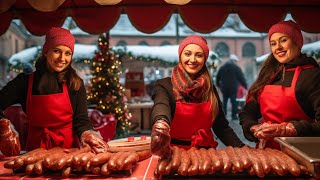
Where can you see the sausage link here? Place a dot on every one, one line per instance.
(76, 160)
(131, 160)
(168, 169)
(85, 158)
(194, 167)
(243, 157)
(256, 164)
(101, 158)
(217, 163)
(38, 167)
(294, 168)
(176, 158)
(275, 165)
(227, 164)
(264, 161)
(185, 163)
(67, 159)
(104, 170)
(205, 167)
(49, 161)
(161, 167)
(19, 161)
(112, 161)
(96, 170)
(9, 164)
(29, 169)
(234, 158)
(121, 159)
(145, 154)
(281, 162)
(66, 172)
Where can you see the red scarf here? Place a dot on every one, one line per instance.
(184, 88)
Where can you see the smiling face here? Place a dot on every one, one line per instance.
(283, 48)
(192, 59)
(58, 58)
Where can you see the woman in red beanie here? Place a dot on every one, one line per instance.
(286, 94)
(54, 98)
(187, 106)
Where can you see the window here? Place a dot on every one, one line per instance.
(121, 43)
(248, 50)
(222, 49)
(143, 43)
(165, 43)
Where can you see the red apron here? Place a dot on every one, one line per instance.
(50, 119)
(191, 125)
(279, 104)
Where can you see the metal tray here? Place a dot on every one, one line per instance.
(305, 150)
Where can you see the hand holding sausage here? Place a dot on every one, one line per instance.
(94, 140)
(9, 138)
(160, 139)
(277, 130)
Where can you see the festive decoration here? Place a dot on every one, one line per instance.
(105, 90)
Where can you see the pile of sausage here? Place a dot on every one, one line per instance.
(259, 162)
(66, 161)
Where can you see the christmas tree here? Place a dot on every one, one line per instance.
(105, 90)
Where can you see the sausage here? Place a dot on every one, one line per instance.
(176, 158)
(67, 159)
(145, 154)
(33, 158)
(205, 167)
(275, 165)
(161, 167)
(227, 164)
(168, 169)
(87, 167)
(76, 160)
(9, 164)
(85, 158)
(234, 158)
(38, 167)
(57, 153)
(29, 169)
(243, 157)
(194, 167)
(19, 161)
(217, 163)
(121, 159)
(264, 161)
(104, 170)
(294, 168)
(66, 172)
(256, 164)
(112, 161)
(101, 158)
(132, 159)
(185, 163)
(281, 162)
(96, 170)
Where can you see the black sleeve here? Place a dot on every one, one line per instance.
(308, 96)
(15, 92)
(162, 98)
(241, 78)
(249, 116)
(81, 120)
(222, 129)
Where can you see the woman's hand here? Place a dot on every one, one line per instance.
(94, 140)
(160, 139)
(9, 139)
(276, 130)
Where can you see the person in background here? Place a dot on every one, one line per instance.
(229, 78)
(286, 94)
(54, 98)
(187, 106)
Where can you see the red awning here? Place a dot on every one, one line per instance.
(149, 16)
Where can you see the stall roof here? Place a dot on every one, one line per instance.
(150, 16)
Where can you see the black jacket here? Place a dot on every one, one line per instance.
(229, 77)
(164, 108)
(15, 92)
(307, 93)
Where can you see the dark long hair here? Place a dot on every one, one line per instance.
(68, 75)
(269, 69)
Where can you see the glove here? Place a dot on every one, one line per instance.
(160, 139)
(9, 139)
(276, 130)
(94, 140)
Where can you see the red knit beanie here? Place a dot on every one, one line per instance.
(289, 28)
(194, 39)
(58, 36)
